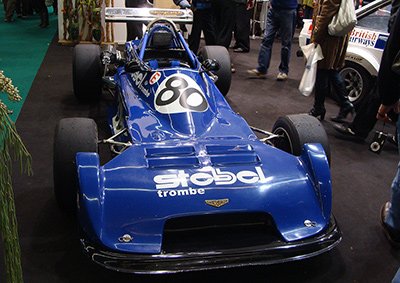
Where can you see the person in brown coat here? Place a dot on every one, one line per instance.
(334, 51)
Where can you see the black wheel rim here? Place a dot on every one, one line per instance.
(283, 142)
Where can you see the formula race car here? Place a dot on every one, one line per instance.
(190, 186)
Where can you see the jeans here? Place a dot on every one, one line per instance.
(282, 20)
(393, 217)
(396, 278)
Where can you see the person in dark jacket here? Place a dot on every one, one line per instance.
(281, 16)
(365, 119)
(389, 92)
(393, 13)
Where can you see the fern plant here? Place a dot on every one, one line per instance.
(10, 146)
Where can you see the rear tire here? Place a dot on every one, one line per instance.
(72, 135)
(224, 74)
(297, 130)
(358, 82)
(87, 72)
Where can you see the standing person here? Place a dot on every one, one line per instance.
(225, 18)
(9, 8)
(299, 15)
(22, 8)
(41, 7)
(281, 16)
(242, 28)
(365, 119)
(135, 29)
(334, 51)
(389, 92)
(203, 20)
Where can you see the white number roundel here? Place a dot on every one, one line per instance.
(178, 94)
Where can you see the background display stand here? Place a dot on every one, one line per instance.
(111, 33)
(261, 8)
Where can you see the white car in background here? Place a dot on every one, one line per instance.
(365, 49)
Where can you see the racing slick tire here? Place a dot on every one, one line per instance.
(72, 135)
(87, 72)
(358, 82)
(297, 130)
(224, 74)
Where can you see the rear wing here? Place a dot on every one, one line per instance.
(147, 15)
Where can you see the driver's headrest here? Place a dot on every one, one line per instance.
(161, 38)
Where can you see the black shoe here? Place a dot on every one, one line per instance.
(240, 50)
(346, 131)
(343, 112)
(233, 46)
(392, 235)
(318, 112)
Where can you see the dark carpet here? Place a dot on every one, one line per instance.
(361, 184)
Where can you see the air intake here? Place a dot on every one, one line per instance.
(172, 157)
(224, 155)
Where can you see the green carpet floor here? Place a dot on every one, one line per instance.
(23, 46)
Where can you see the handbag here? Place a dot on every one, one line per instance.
(396, 64)
(344, 21)
(313, 55)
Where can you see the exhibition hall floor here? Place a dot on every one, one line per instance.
(361, 183)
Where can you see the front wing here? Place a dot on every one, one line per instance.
(273, 253)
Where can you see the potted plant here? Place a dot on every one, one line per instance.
(10, 146)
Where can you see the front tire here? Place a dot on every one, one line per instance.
(297, 130)
(87, 72)
(224, 74)
(72, 135)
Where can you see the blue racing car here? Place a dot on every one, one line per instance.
(190, 185)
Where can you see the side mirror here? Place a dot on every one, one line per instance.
(211, 65)
(132, 66)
